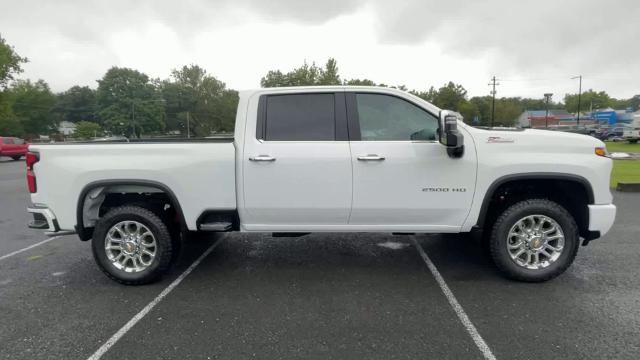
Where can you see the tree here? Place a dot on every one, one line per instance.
(10, 63)
(306, 75)
(588, 100)
(77, 104)
(200, 100)
(9, 123)
(32, 105)
(129, 102)
(450, 96)
(87, 130)
(359, 82)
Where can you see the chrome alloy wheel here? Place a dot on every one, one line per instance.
(130, 246)
(535, 242)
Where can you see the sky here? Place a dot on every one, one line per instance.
(532, 47)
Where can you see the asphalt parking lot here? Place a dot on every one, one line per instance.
(333, 296)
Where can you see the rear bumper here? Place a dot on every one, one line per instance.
(601, 218)
(43, 219)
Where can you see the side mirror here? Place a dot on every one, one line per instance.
(449, 134)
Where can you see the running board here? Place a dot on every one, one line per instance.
(216, 226)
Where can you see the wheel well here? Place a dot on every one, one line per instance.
(97, 199)
(572, 194)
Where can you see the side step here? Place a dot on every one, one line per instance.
(216, 226)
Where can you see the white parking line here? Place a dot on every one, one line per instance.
(134, 320)
(457, 308)
(28, 248)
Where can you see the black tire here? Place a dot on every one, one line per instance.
(633, 141)
(164, 251)
(504, 222)
(16, 158)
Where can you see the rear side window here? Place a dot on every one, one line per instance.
(300, 117)
(7, 141)
(18, 141)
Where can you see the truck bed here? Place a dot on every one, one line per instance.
(200, 172)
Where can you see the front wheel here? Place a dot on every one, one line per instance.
(132, 245)
(534, 240)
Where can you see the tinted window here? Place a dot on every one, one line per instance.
(7, 140)
(18, 141)
(384, 117)
(300, 117)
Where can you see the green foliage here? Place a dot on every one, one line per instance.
(306, 75)
(10, 63)
(32, 105)
(9, 123)
(588, 99)
(129, 103)
(200, 100)
(87, 130)
(77, 104)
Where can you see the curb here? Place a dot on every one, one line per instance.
(628, 187)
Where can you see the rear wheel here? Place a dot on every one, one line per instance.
(16, 158)
(132, 245)
(534, 240)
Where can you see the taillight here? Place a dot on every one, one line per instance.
(31, 159)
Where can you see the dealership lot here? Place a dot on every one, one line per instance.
(320, 296)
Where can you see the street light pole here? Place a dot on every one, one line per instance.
(579, 95)
(547, 97)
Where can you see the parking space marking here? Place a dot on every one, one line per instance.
(457, 308)
(28, 248)
(134, 320)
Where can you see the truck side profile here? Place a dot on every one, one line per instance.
(330, 159)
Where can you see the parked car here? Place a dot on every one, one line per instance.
(330, 159)
(611, 134)
(13, 147)
(632, 133)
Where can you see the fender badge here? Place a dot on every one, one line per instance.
(498, 139)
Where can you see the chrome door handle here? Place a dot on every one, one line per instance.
(371, 157)
(262, 158)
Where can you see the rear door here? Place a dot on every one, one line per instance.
(403, 178)
(297, 163)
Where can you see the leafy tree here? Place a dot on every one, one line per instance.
(9, 123)
(129, 102)
(32, 104)
(87, 130)
(588, 99)
(450, 96)
(306, 75)
(77, 104)
(10, 63)
(193, 97)
(359, 82)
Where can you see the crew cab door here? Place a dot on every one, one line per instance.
(403, 178)
(297, 163)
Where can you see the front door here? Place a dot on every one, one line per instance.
(403, 178)
(297, 164)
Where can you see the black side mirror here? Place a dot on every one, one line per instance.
(449, 135)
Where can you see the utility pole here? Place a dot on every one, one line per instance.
(547, 97)
(493, 100)
(188, 127)
(133, 119)
(579, 95)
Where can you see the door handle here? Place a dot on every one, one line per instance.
(262, 158)
(371, 157)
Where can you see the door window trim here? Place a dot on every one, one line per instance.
(353, 118)
(340, 117)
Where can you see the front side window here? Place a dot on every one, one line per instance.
(18, 141)
(388, 118)
(300, 117)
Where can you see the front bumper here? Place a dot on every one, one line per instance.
(43, 219)
(601, 218)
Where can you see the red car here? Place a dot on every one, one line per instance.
(13, 147)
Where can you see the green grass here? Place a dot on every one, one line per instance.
(625, 171)
(622, 147)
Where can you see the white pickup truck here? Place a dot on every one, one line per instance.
(330, 159)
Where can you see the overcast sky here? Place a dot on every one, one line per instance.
(533, 46)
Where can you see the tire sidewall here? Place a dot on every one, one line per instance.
(157, 228)
(541, 207)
